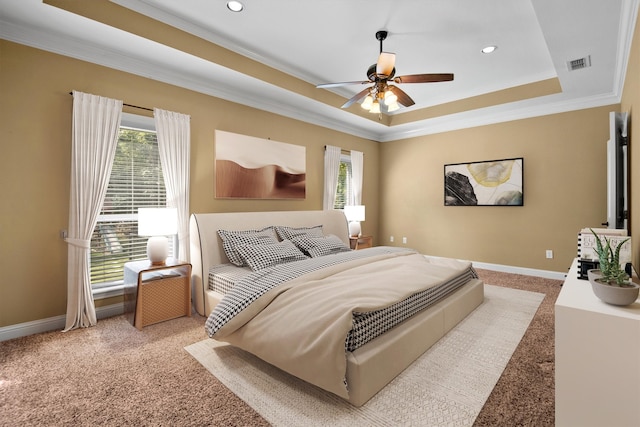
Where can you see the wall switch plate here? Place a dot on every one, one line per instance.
(549, 254)
(391, 239)
(404, 240)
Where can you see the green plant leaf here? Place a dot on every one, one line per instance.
(609, 259)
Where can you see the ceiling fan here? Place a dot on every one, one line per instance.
(382, 96)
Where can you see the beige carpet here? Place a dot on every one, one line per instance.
(448, 385)
(114, 375)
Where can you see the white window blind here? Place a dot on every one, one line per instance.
(136, 181)
(343, 190)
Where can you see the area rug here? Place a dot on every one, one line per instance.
(447, 385)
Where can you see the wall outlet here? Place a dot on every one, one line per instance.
(404, 240)
(391, 239)
(549, 254)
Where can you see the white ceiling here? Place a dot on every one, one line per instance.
(334, 40)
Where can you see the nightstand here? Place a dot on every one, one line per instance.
(156, 293)
(361, 242)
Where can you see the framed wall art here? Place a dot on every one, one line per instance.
(485, 183)
(255, 168)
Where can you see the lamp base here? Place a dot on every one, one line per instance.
(354, 229)
(157, 250)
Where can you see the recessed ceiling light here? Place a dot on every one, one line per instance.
(489, 49)
(235, 6)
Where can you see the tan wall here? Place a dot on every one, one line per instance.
(35, 119)
(564, 174)
(564, 190)
(631, 104)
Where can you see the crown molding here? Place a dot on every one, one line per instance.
(495, 115)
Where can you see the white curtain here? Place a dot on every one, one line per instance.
(331, 169)
(96, 122)
(174, 141)
(357, 167)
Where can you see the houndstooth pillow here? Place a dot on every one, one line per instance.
(232, 238)
(320, 246)
(259, 257)
(290, 233)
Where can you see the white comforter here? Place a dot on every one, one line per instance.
(301, 324)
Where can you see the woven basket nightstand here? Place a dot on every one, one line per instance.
(157, 293)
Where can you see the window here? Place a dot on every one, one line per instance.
(343, 191)
(136, 181)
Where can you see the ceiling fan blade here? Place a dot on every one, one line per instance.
(385, 64)
(328, 85)
(356, 98)
(424, 78)
(403, 98)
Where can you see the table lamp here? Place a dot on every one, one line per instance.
(157, 223)
(354, 215)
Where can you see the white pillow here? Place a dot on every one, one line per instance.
(259, 257)
(320, 246)
(233, 238)
(290, 233)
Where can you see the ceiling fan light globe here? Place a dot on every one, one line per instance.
(393, 107)
(375, 107)
(390, 98)
(366, 104)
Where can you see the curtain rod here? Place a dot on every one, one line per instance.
(140, 108)
(344, 150)
(130, 105)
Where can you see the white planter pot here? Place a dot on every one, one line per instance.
(614, 295)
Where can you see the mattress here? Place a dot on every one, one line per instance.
(223, 277)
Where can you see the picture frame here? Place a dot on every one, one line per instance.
(485, 183)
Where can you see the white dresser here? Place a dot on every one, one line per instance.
(597, 358)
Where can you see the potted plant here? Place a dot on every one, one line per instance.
(610, 282)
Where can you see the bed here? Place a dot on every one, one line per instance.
(329, 352)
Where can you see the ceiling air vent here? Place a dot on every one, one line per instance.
(577, 64)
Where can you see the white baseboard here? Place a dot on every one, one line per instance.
(547, 274)
(556, 275)
(57, 322)
(53, 323)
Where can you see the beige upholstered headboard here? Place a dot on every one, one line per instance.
(206, 247)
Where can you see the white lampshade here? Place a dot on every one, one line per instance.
(157, 223)
(354, 214)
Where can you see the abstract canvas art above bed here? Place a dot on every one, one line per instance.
(255, 168)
